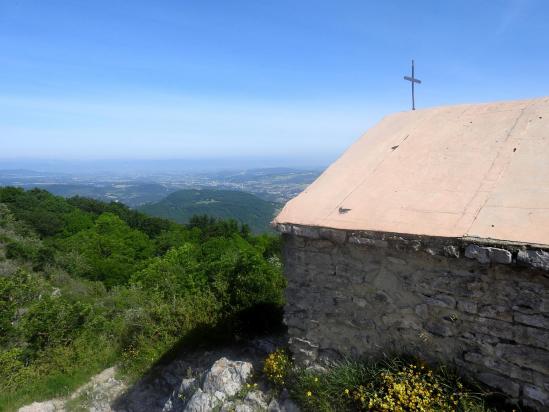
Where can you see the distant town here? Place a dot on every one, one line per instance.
(276, 185)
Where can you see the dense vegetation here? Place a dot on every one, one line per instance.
(246, 208)
(86, 284)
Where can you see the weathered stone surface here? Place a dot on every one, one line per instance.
(283, 228)
(491, 319)
(536, 393)
(486, 254)
(500, 382)
(284, 406)
(358, 240)
(537, 320)
(227, 376)
(336, 236)
(46, 406)
(306, 231)
(467, 306)
(536, 258)
(257, 401)
(451, 251)
(203, 402)
(478, 253)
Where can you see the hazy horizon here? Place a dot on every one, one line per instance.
(167, 165)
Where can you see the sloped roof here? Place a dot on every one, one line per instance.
(477, 170)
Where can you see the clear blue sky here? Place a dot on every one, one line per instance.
(189, 79)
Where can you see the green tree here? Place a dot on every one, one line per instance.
(111, 251)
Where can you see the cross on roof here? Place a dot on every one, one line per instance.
(413, 80)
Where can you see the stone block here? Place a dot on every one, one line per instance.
(538, 259)
(500, 382)
(336, 236)
(360, 302)
(477, 252)
(493, 362)
(422, 311)
(467, 306)
(524, 356)
(306, 231)
(537, 320)
(443, 301)
(284, 228)
(396, 261)
(537, 394)
(531, 336)
(441, 328)
(490, 327)
(488, 254)
(496, 312)
(451, 251)
(358, 240)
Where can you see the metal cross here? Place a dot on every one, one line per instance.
(413, 80)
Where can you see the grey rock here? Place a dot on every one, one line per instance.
(256, 400)
(500, 255)
(537, 394)
(535, 258)
(202, 402)
(286, 405)
(539, 321)
(274, 406)
(488, 254)
(227, 376)
(46, 406)
(358, 240)
(336, 236)
(283, 228)
(467, 306)
(451, 251)
(181, 395)
(496, 381)
(305, 231)
(396, 261)
(478, 253)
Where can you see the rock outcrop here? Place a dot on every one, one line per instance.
(221, 379)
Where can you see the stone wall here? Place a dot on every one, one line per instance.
(483, 308)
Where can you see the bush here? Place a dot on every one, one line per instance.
(384, 386)
(277, 367)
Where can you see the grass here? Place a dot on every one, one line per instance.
(393, 384)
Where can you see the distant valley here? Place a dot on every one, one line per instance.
(243, 207)
(247, 196)
(134, 189)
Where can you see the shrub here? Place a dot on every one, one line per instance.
(106, 285)
(409, 388)
(384, 386)
(277, 367)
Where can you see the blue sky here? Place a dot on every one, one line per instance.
(190, 79)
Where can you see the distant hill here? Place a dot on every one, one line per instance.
(243, 207)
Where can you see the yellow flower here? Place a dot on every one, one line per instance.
(309, 394)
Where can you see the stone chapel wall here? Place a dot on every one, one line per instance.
(487, 312)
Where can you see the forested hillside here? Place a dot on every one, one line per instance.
(85, 285)
(243, 207)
